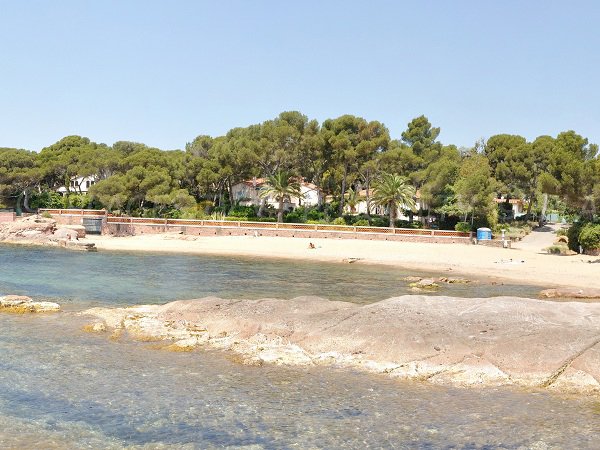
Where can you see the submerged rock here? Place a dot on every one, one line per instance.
(425, 283)
(445, 340)
(570, 293)
(23, 304)
(412, 279)
(451, 280)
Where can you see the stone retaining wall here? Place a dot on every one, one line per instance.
(6, 217)
(136, 229)
(67, 219)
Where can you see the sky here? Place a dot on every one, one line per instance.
(164, 72)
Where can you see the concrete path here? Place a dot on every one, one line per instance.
(539, 239)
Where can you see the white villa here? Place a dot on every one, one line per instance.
(247, 193)
(361, 206)
(78, 185)
(518, 206)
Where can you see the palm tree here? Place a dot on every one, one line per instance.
(393, 191)
(353, 198)
(281, 187)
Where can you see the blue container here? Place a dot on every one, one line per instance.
(484, 234)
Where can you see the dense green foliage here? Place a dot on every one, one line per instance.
(589, 236)
(343, 157)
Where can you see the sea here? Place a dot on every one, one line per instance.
(63, 388)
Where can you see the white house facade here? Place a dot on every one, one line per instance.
(361, 206)
(78, 185)
(517, 206)
(247, 193)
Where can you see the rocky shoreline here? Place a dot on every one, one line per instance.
(37, 230)
(23, 304)
(442, 340)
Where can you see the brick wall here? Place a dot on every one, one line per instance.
(7, 217)
(137, 229)
(67, 220)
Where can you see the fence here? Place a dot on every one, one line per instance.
(225, 224)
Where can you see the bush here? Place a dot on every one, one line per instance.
(561, 232)
(338, 221)
(361, 223)
(573, 235)
(195, 212)
(303, 214)
(465, 227)
(243, 211)
(78, 201)
(408, 224)
(46, 199)
(558, 250)
(46, 215)
(380, 221)
(589, 237)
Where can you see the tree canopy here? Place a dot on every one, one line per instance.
(341, 156)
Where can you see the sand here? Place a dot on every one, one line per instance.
(527, 264)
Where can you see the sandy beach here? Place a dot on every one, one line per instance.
(525, 263)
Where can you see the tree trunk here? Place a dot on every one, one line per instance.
(341, 209)
(261, 208)
(392, 207)
(544, 207)
(26, 201)
(529, 205)
(18, 209)
(280, 211)
(368, 198)
(318, 181)
(230, 191)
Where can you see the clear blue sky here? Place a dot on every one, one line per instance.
(164, 72)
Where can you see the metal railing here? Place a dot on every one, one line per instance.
(127, 220)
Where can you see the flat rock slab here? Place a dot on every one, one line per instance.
(22, 304)
(570, 293)
(485, 341)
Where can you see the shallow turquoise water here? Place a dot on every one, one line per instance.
(125, 278)
(63, 388)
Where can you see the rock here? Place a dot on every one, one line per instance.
(412, 279)
(79, 229)
(445, 340)
(98, 327)
(66, 233)
(570, 293)
(351, 260)
(425, 283)
(81, 246)
(41, 231)
(454, 280)
(22, 304)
